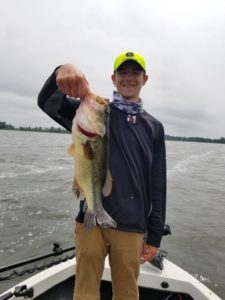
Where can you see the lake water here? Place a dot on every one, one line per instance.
(37, 206)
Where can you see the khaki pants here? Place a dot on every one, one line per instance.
(124, 249)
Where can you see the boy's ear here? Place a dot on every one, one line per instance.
(113, 78)
(145, 79)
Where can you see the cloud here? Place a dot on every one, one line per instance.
(182, 41)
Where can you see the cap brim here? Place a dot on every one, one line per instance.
(121, 65)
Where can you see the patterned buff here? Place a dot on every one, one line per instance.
(129, 107)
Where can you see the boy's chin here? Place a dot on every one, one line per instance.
(128, 97)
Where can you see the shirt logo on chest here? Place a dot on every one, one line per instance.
(131, 119)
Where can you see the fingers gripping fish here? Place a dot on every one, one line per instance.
(90, 148)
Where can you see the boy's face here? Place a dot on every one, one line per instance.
(129, 79)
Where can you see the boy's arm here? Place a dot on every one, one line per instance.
(158, 212)
(53, 99)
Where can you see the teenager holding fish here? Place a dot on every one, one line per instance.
(137, 164)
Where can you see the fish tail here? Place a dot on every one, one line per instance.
(104, 220)
(101, 218)
(89, 219)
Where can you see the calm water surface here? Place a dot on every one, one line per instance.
(37, 206)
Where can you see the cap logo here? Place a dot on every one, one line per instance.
(129, 54)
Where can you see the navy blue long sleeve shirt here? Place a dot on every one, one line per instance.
(137, 162)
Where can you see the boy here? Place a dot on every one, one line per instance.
(138, 167)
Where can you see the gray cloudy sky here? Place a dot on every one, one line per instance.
(183, 42)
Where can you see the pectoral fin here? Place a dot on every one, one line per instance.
(107, 187)
(88, 151)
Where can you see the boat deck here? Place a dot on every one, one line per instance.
(64, 291)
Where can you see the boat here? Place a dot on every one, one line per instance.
(159, 279)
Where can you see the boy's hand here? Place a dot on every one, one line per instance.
(71, 81)
(148, 253)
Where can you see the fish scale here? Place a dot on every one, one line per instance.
(91, 172)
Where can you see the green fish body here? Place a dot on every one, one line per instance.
(92, 177)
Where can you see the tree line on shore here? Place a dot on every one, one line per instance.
(5, 126)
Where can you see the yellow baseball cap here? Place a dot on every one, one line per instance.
(129, 55)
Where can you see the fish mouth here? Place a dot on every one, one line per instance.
(86, 133)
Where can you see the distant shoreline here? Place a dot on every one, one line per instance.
(5, 126)
(195, 139)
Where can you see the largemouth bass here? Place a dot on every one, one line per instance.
(90, 148)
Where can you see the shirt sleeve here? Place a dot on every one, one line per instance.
(57, 105)
(158, 174)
